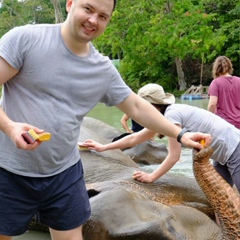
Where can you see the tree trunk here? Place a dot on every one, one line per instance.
(58, 12)
(201, 74)
(181, 77)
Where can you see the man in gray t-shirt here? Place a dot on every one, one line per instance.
(52, 77)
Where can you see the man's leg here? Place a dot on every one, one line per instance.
(65, 206)
(17, 206)
(74, 234)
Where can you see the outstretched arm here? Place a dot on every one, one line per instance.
(148, 116)
(173, 156)
(125, 142)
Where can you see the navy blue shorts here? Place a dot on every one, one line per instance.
(61, 200)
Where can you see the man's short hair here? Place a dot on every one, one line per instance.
(114, 4)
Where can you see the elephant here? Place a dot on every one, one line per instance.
(173, 207)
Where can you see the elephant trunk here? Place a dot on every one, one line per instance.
(222, 197)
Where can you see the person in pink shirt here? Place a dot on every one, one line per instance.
(224, 92)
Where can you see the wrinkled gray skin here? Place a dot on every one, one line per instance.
(120, 212)
(171, 208)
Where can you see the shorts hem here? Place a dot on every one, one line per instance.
(13, 234)
(70, 227)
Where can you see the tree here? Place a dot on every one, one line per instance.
(151, 36)
(227, 28)
(58, 11)
(15, 13)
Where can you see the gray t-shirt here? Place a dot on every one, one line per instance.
(53, 90)
(225, 137)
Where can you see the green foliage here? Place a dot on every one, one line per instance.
(15, 13)
(227, 26)
(149, 36)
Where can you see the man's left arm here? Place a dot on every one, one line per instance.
(148, 116)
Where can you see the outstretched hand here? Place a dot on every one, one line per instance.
(192, 139)
(142, 177)
(93, 145)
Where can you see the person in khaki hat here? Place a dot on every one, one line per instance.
(225, 136)
(150, 92)
(155, 94)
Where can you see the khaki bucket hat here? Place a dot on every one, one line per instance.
(155, 94)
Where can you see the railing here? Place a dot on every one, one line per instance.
(197, 90)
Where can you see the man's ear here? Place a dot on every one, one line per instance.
(68, 5)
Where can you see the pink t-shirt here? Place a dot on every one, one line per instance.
(227, 89)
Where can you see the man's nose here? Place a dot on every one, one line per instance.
(93, 18)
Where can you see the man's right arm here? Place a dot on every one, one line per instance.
(12, 129)
(6, 73)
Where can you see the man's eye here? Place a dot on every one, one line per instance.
(87, 9)
(102, 17)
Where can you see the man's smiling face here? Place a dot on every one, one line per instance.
(88, 19)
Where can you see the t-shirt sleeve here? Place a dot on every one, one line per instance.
(213, 89)
(12, 46)
(173, 116)
(117, 90)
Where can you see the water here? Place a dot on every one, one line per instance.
(31, 235)
(112, 116)
(182, 167)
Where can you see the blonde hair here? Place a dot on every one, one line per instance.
(221, 66)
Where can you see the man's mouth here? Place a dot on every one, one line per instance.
(89, 29)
